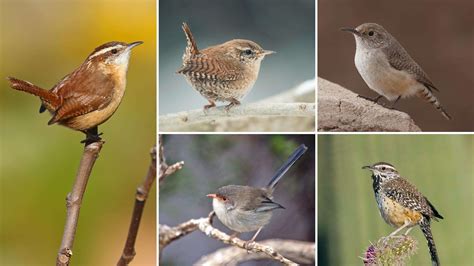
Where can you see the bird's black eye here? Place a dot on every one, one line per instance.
(383, 168)
(248, 52)
(114, 51)
(371, 33)
(224, 198)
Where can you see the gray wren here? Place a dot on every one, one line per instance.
(388, 69)
(224, 72)
(246, 209)
(89, 95)
(402, 205)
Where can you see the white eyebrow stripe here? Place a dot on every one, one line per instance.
(387, 166)
(105, 50)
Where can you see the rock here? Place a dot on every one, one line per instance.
(341, 110)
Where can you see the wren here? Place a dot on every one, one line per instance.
(388, 69)
(224, 72)
(89, 95)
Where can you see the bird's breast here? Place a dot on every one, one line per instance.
(380, 76)
(394, 213)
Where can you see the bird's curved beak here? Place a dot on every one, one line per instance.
(133, 44)
(211, 196)
(354, 31)
(268, 52)
(367, 167)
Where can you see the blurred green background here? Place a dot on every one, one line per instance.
(212, 161)
(440, 166)
(42, 41)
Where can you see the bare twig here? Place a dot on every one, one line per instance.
(74, 200)
(169, 234)
(140, 200)
(165, 169)
(298, 251)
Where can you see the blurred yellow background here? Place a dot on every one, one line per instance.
(42, 41)
(440, 166)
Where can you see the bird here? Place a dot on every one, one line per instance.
(225, 72)
(402, 205)
(246, 208)
(89, 95)
(388, 69)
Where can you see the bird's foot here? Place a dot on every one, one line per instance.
(233, 103)
(248, 245)
(91, 138)
(374, 100)
(208, 106)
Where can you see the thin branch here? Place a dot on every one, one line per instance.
(298, 251)
(74, 200)
(140, 200)
(165, 169)
(169, 234)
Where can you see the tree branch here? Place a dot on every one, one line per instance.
(74, 200)
(165, 169)
(342, 110)
(170, 234)
(140, 200)
(300, 252)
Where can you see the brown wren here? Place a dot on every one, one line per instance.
(89, 95)
(224, 72)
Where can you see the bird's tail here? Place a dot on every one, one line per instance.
(428, 96)
(426, 229)
(191, 47)
(46, 96)
(286, 166)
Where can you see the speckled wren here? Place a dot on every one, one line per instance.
(89, 95)
(224, 72)
(402, 205)
(388, 69)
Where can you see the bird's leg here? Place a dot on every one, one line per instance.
(211, 216)
(395, 102)
(233, 102)
(375, 100)
(92, 136)
(210, 105)
(248, 242)
(407, 223)
(408, 231)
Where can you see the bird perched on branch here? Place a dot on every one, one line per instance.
(247, 209)
(89, 95)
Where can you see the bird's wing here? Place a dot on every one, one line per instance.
(407, 195)
(205, 68)
(84, 95)
(267, 205)
(399, 59)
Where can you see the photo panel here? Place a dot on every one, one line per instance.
(245, 66)
(370, 185)
(251, 181)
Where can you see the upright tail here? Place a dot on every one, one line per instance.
(45, 95)
(428, 96)
(426, 229)
(191, 47)
(286, 166)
